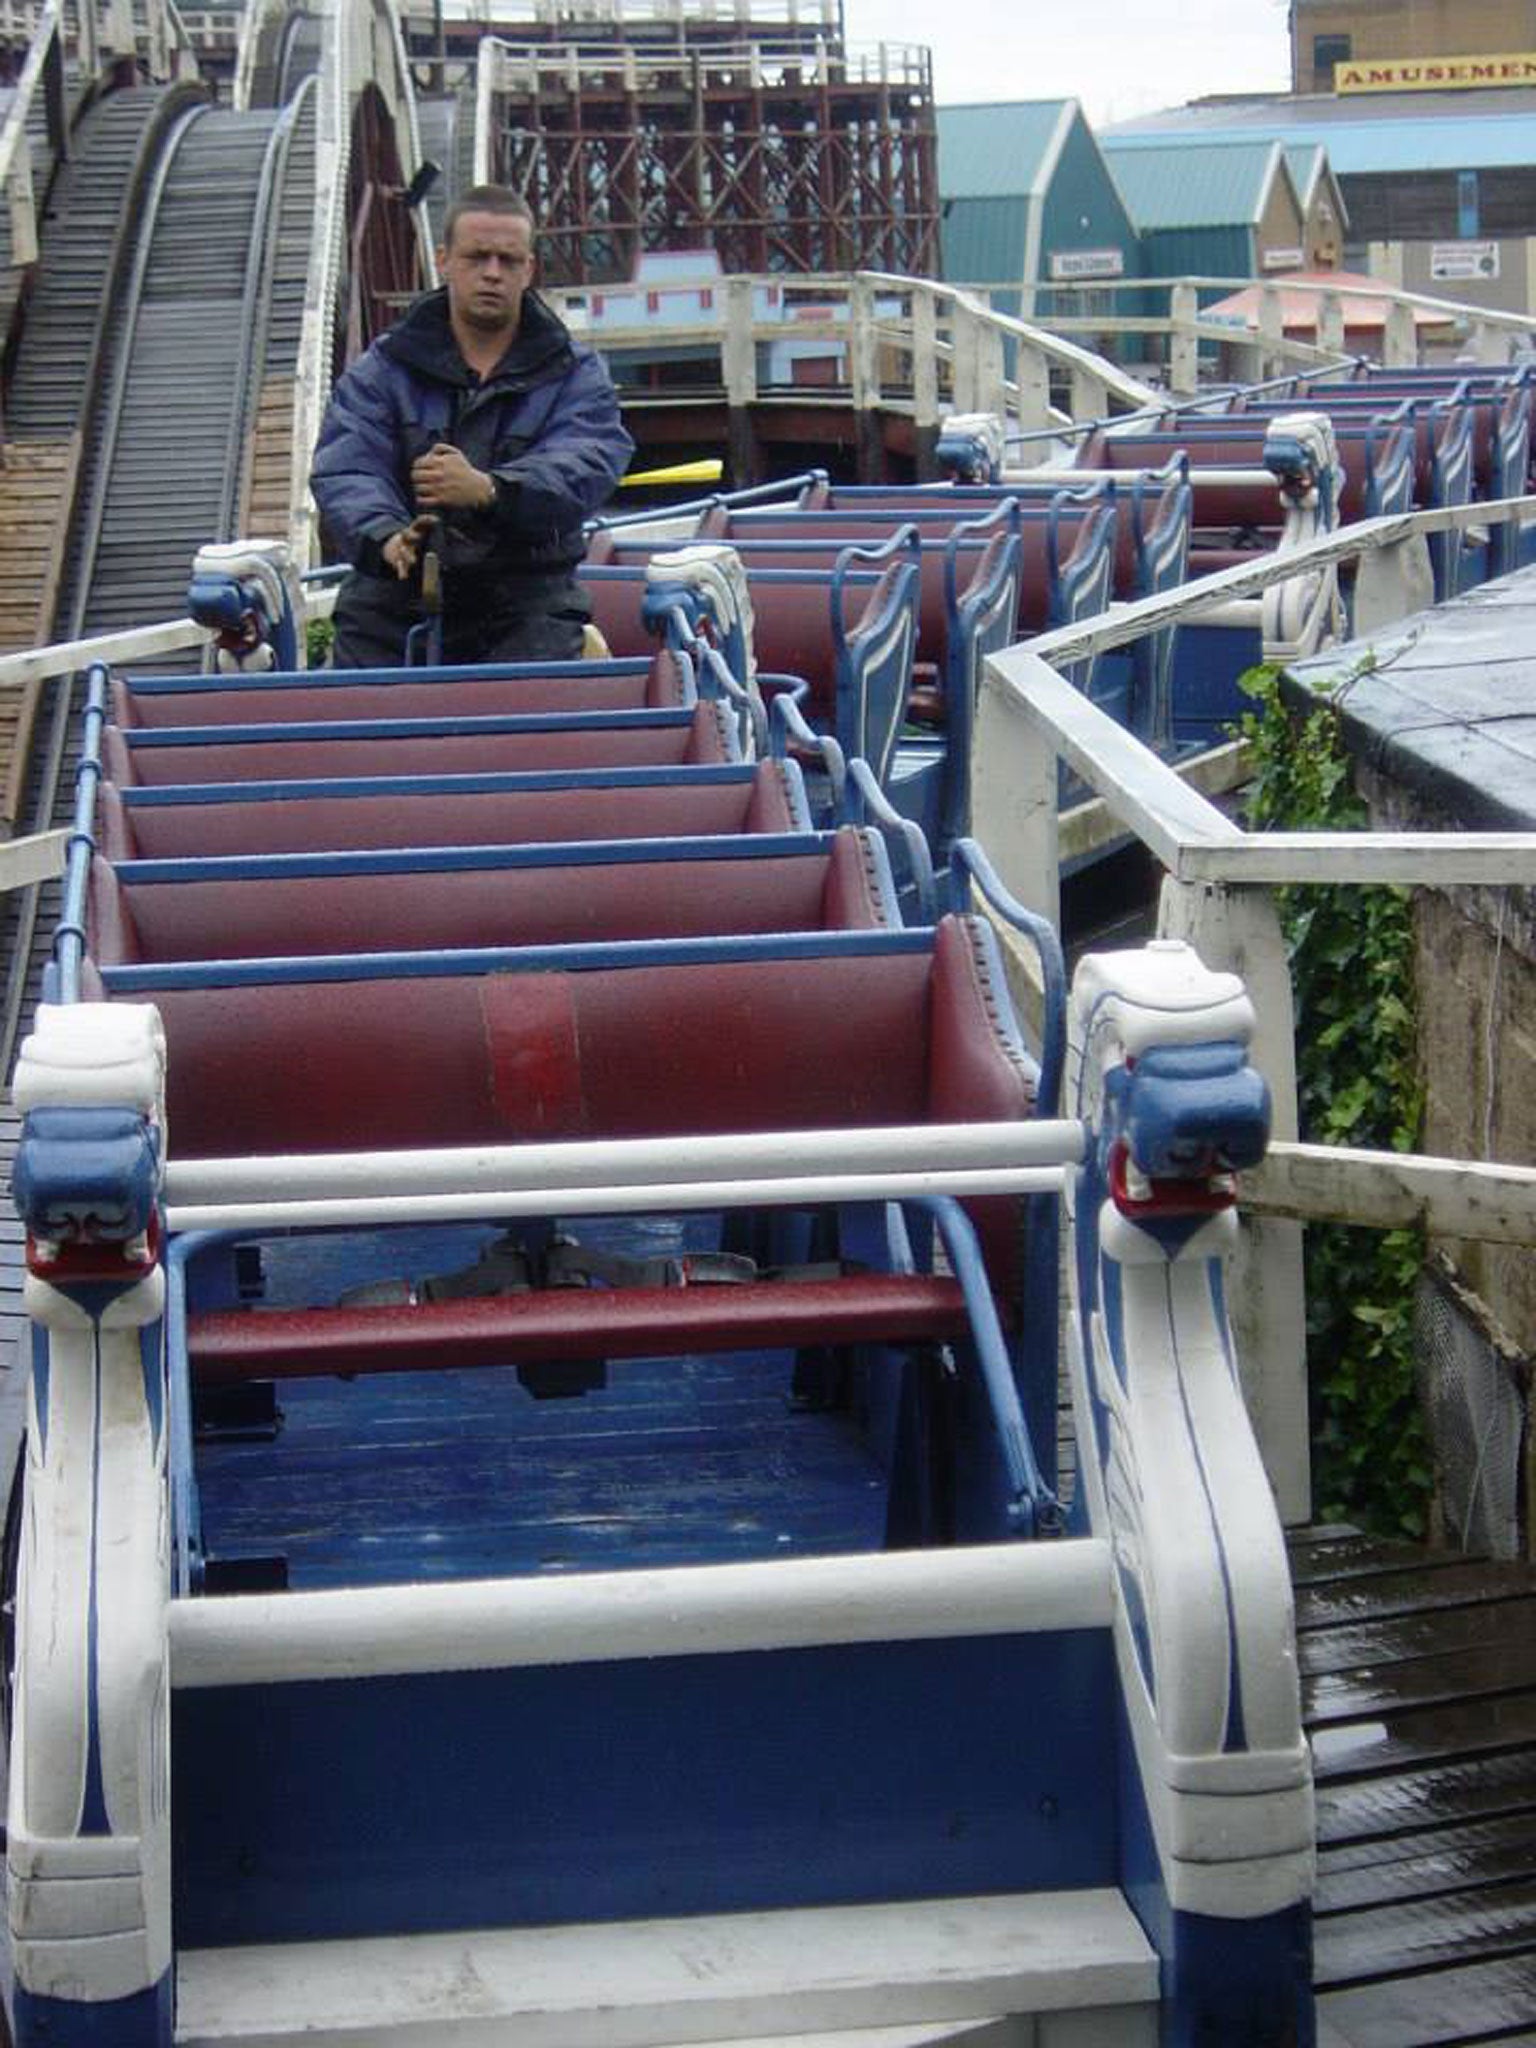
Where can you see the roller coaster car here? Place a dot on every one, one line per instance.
(541, 1516)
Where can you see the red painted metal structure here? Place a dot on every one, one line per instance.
(777, 158)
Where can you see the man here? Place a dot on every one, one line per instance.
(477, 426)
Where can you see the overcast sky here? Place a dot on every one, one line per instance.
(1119, 57)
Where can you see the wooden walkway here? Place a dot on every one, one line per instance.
(1419, 1684)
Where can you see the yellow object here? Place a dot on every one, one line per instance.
(1433, 74)
(593, 646)
(708, 471)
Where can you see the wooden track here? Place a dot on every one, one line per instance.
(36, 487)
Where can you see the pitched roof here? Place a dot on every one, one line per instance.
(1306, 162)
(996, 151)
(1312, 174)
(1171, 186)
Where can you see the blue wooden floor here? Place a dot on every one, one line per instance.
(465, 1474)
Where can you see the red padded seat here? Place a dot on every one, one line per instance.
(642, 1051)
(709, 736)
(663, 686)
(761, 800)
(434, 909)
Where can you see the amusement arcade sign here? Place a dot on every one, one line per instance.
(1433, 74)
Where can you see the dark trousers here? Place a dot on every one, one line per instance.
(534, 618)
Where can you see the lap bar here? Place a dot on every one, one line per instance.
(606, 1617)
(607, 1176)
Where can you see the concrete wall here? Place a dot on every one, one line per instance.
(1476, 971)
(1408, 265)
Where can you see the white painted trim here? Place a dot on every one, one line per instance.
(610, 1617)
(1034, 210)
(486, 66)
(37, 858)
(1050, 156)
(1193, 839)
(89, 1894)
(1276, 158)
(65, 656)
(1492, 1204)
(634, 1984)
(1172, 1480)
(45, 30)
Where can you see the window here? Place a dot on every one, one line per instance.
(1326, 52)
(1467, 209)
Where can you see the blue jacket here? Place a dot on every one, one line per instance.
(545, 424)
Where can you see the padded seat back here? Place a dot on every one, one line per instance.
(767, 796)
(882, 1037)
(1164, 507)
(791, 606)
(620, 1052)
(615, 596)
(662, 681)
(1225, 444)
(618, 739)
(531, 902)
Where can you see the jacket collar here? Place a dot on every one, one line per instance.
(423, 341)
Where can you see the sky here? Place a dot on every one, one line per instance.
(1119, 57)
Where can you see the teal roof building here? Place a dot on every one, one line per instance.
(1026, 198)
(1227, 209)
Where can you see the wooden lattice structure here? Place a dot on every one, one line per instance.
(781, 160)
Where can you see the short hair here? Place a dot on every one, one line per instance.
(487, 199)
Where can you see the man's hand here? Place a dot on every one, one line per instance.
(445, 477)
(402, 550)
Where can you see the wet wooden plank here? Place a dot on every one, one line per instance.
(1441, 1632)
(1351, 1602)
(1418, 1934)
(1435, 2010)
(1418, 1736)
(1357, 1556)
(1375, 1809)
(1490, 1669)
(1312, 1535)
(1422, 1865)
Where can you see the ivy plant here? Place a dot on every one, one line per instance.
(318, 636)
(1352, 970)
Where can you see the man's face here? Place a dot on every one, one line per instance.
(487, 267)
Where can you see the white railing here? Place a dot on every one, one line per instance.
(615, 1177)
(908, 344)
(764, 60)
(361, 44)
(1485, 333)
(78, 30)
(915, 345)
(37, 858)
(41, 72)
(824, 16)
(1218, 894)
(929, 348)
(132, 643)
